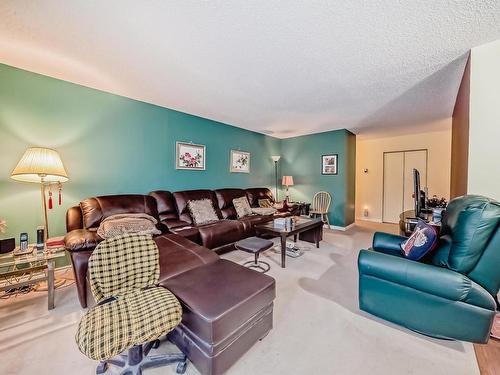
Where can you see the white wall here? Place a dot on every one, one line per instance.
(484, 122)
(369, 154)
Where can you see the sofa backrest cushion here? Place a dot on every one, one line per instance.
(183, 197)
(225, 201)
(94, 210)
(165, 204)
(254, 194)
(471, 221)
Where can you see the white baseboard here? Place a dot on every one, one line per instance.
(374, 220)
(343, 229)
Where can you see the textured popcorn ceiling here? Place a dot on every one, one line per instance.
(280, 67)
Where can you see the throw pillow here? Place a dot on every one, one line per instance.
(242, 206)
(265, 203)
(116, 225)
(422, 241)
(202, 211)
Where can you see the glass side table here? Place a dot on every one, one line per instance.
(21, 270)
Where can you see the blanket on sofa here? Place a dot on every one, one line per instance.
(116, 225)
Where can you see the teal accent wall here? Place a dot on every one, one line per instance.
(109, 145)
(302, 160)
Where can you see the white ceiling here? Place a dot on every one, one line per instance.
(279, 67)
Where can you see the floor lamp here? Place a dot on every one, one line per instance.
(276, 158)
(45, 167)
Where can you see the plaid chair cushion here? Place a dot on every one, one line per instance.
(134, 318)
(123, 263)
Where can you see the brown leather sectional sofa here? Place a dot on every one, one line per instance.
(222, 319)
(172, 213)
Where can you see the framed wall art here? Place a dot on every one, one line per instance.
(190, 156)
(329, 164)
(239, 161)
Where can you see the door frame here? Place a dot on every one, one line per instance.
(383, 174)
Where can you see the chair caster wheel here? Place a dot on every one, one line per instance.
(102, 367)
(156, 344)
(181, 368)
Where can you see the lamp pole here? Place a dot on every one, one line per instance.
(276, 178)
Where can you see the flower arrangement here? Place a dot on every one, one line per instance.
(189, 160)
(436, 202)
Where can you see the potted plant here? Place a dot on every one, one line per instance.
(3, 225)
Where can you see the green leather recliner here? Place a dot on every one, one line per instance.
(452, 293)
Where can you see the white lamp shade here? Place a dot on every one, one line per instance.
(275, 158)
(287, 180)
(38, 163)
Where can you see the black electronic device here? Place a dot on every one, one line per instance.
(23, 241)
(418, 194)
(7, 245)
(40, 239)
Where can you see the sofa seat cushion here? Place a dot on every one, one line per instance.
(175, 223)
(178, 254)
(220, 297)
(221, 233)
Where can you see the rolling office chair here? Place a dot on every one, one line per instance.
(132, 312)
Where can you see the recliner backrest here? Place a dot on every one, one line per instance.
(470, 221)
(165, 204)
(182, 199)
(487, 270)
(254, 194)
(225, 201)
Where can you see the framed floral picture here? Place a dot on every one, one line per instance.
(329, 164)
(190, 156)
(240, 161)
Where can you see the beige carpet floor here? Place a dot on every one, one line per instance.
(318, 328)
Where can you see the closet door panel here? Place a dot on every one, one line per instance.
(393, 186)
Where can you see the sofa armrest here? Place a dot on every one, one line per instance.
(81, 239)
(426, 278)
(388, 243)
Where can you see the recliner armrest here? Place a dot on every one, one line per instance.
(81, 239)
(388, 243)
(426, 278)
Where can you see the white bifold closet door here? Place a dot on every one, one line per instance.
(398, 181)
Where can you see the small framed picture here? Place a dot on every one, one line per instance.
(240, 162)
(190, 156)
(329, 164)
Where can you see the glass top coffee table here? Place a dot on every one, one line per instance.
(313, 227)
(21, 270)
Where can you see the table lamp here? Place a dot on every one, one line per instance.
(287, 181)
(43, 166)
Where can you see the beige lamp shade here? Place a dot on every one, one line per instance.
(287, 180)
(39, 163)
(275, 158)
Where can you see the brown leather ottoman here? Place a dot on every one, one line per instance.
(226, 309)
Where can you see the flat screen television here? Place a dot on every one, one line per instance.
(418, 194)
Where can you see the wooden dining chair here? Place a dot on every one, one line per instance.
(321, 205)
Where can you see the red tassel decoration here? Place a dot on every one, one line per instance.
(59, 185)
(50, 200)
